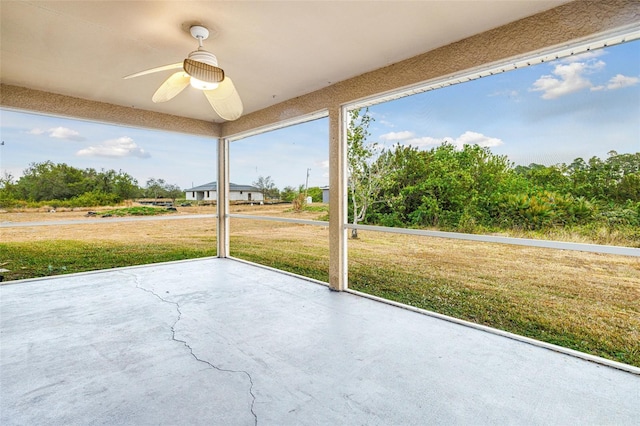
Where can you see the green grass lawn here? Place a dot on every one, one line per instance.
(45, 258)
(137, 211)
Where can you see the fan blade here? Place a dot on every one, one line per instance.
(171, 87)
(225, 100)
(158, 69)
(202, 71)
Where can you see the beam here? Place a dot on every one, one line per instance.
(36, 101)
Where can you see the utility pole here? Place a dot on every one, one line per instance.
(306, 185)
(1, 148)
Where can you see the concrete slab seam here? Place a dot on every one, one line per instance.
(186, 345)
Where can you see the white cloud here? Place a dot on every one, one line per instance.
(620, 81)
(397, 136)
(115, 148)
(475, 138)
(570, 79)
(64, 133)
(58, 133)
(324, 164)
(571, 76)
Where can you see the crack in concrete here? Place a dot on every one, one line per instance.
(186, 345)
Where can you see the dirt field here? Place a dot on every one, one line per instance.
(108, 229)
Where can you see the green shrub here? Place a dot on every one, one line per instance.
(93, 199)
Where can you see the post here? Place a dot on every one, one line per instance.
(337, 199)
(222, 198)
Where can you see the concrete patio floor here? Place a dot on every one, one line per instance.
(221, 342)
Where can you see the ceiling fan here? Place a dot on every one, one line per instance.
(201, 71)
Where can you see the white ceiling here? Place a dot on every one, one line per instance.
(272, 50)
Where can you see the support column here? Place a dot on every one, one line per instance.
(337, 200)
(222, 203)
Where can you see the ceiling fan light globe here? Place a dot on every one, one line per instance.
(202, 85)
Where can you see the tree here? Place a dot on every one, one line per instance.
(155, 188)
(368, 167)
(159, 188)
(7, 190)
(266, 186)
(173, 192)
(315, 193)
(288, 194)
(126, 186)
(49, 181)
(6, 181)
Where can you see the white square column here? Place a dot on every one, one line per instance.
(222, 203)
(337, 199)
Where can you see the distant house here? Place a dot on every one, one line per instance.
(209, 192)
(325, 194)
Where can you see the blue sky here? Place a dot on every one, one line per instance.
(285, 155)
(549, 113)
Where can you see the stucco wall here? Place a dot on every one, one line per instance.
(244, 196)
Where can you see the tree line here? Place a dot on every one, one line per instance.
(61, 184)
(472, 189)
(58, 184)
(288, 194)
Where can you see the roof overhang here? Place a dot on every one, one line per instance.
(287, 59)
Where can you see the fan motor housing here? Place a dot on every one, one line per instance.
(204, 56)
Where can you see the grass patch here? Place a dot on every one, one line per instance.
(137, 211)
(311, 208)
(288, 255)
(46, 258)
(322, 208)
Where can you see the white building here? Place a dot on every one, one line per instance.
(325, 194)
(208, 192)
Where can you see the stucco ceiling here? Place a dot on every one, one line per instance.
(274, 51)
